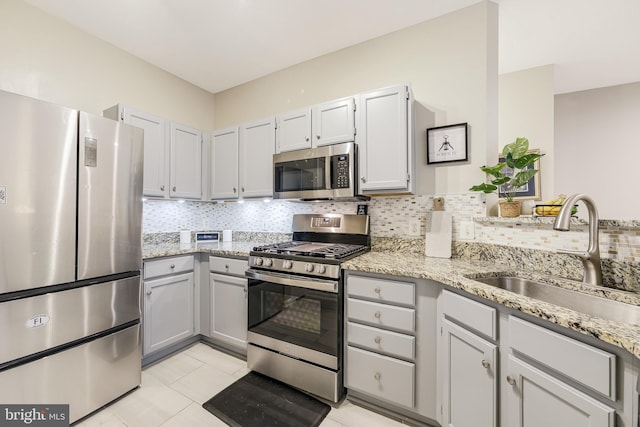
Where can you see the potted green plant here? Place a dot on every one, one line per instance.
(518, 159)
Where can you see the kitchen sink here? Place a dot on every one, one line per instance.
(584, 303)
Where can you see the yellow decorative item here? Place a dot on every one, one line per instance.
(551, 207)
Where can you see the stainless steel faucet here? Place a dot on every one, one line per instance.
(591, 258)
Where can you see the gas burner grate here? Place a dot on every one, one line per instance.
(313, 249)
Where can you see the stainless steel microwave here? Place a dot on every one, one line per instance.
(327, 172)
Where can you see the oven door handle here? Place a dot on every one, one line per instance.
(316, 284)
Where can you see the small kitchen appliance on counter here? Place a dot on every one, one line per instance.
(70, 256)
(296, 313)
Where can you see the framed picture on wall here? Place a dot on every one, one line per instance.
(447, 144)
(530, 191)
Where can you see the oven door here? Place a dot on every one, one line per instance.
(296, 316)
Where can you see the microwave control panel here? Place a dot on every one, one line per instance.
(340, 171)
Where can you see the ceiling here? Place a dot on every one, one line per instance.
(219, 44)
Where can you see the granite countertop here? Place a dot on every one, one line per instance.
(459, 274)
(161, 249)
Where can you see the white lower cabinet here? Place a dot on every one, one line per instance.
(381, 376)
(548, 378)
(470, 378)
(544, 378)
(375, 365)
(168, 303)
(468, 371)
(390, 354)
(536, 398)
(228, 303)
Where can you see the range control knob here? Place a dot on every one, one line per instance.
(268, 262)
(258, 261)
(321, 269)
(309, 268)
(287, 265)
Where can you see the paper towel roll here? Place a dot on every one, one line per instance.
(227, 236)
(185, 237)
(437, 238)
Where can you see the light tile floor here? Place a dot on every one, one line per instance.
(173, 391)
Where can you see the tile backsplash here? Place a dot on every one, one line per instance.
(392, 217)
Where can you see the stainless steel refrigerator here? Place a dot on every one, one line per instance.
(70, 256)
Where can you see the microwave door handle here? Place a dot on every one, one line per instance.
(327, 173)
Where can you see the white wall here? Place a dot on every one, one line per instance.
(46, 58)
(597, 147)
(526, 110)
(451, 63)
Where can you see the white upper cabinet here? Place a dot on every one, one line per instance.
(224, 164)
(334, 122)
(155, 147)
(257, 146)
(384, 141)
(186, 164)
(172, 154)
(294, 130)
(323, 124)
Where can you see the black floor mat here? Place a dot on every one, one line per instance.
(258, 401)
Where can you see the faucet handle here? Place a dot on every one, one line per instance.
(581, 254)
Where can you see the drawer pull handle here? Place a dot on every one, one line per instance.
(226, 266)
(511, 380)
(377, 315)
(377, 291)
(486, 364)
(174, 188)
(172, 266)
(377, 376)
(377, 340)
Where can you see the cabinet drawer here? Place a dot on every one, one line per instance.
(587, 365)
(381, 376)
(382, 290)
(233, 266)
(165, 266)
(381, 341)
(473, 314)
(383, 315)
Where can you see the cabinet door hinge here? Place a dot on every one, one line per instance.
(441, 330)
(408, 177)
(355, 106)
(407, 94)
(441, 410)
(122, 115)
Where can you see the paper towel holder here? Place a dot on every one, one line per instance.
(438, 203)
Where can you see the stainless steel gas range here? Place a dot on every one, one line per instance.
(295, 302)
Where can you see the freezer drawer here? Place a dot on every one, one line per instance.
(42, 322)
(86, 377)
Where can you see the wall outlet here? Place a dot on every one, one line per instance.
(466, 230)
